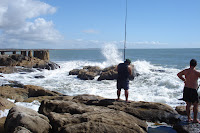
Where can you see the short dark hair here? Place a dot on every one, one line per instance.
(128, 61)
(193, 62)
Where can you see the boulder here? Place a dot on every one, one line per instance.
(94, 69)
(35, 91)
(39, 76)
(108, 75)
(86, 75)
(2, 121)
(18, 94)
(74, 72)
(68, 116)
(111, 73)
(21, 129)
(7, 61)
(5, 104)
(19, 116)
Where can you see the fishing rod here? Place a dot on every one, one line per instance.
(125, 33)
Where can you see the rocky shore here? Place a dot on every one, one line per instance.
(82, 113)
(59, 113)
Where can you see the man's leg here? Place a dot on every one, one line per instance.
(126, 95)
(188, 105)
(118, 93)
(195, 110)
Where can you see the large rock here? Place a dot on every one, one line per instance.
(26, 61)
(18, 94)
(87, 73)
(2, 121)
(68, 116)
(5, 104)
(27, 118)
(148, 111)
(109, 73)
(7, 61)
(74, 72)
(35, 91)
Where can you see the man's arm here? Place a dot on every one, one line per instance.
(180, 75)
(130, 70)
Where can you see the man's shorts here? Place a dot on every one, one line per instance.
(190, 95)
(123, 84)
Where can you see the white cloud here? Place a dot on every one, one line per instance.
(21, 24)
(90, 31)
(148, 43)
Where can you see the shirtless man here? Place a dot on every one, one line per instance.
(190, 96)
(124, 71)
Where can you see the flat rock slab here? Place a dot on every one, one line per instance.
(187, 127)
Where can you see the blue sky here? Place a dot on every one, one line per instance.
(94, 23)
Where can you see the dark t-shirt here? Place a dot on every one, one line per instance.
(123, 74)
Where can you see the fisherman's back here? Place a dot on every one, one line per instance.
(123, 73)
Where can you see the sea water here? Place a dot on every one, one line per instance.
(157, 82)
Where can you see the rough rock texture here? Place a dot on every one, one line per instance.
(68, 116)
(108, 74)
(143, 110)
(23, 117)
(2, 121)
(35, 91)
(18, 94)
(24, 61)
(74, 72)
(5, 104)
(187, 127)
(20, 129)
(90, 72)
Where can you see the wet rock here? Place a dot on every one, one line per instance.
(108, 75)
(111, 73)
(39, 76)
(86, 75)
(95, 69)
(29, 119)
(74, 72)
(187, 127)
(14, 84)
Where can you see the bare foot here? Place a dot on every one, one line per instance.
(118, 99)
(190, 119)
(128, 102)
(196, 121)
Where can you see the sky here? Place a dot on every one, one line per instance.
(76, 24)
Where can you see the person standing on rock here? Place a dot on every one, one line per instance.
(190, 96)
(124, 71)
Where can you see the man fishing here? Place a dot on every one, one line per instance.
(190, 77)
(124, 71)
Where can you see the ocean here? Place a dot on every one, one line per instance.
(157, 82)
